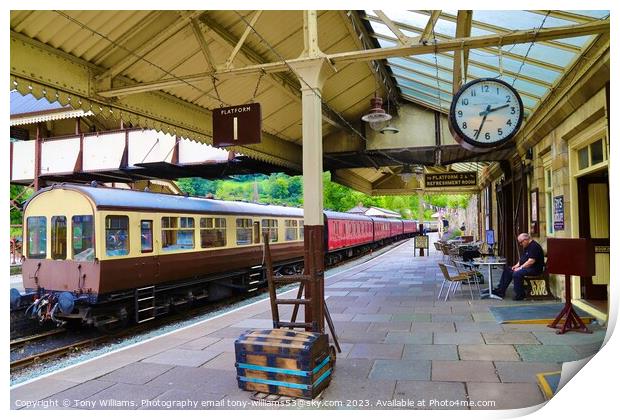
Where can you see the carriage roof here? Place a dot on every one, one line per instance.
(106, 198)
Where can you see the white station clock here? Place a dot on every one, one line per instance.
(485, 114)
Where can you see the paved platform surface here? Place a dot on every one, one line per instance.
(401, 349)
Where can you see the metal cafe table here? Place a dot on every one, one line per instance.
(489, 262)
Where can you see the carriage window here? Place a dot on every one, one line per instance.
(244, 231)
(59, 237)
(83, 238)
(146, 236)
(301, 229)
(177, 233)
(212, 232)
(116, 235)
(270, 226)
(290, 231)
(37, 236)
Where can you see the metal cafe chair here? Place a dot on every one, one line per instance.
(472, 274)
(453, 282)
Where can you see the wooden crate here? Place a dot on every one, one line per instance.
(284, 362)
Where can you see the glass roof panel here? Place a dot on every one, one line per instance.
(598, 14)
(532, 68)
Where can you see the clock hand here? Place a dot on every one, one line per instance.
(489, 109)
(485, 113)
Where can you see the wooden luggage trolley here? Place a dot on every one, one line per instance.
(285, 361)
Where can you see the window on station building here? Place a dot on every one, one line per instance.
(146, 236)
(591, 154)
(177, 233)
(244, 231)
(270, 226)
(291, 230)
(59, 237)
(212, 232)
(549, 200)
(36, 234)
(83, 238)
(116, 236)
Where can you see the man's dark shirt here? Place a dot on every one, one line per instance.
(535, 251)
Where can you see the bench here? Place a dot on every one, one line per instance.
(537, 287)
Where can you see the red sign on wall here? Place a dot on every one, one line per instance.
(238, 124)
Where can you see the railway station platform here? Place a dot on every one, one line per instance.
(401, 348)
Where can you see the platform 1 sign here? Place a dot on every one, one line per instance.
(236, 125)
(451, 179)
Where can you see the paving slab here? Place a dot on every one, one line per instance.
(225, 361)
(463, 371)
(436, 327)
(183, 399)
(136, 373)
(509, 338)
(458, 338)
(547, 353)
(376, 351)
(123, 396)
(430, 395)
(570, 338)
(430, 352)
(411, 317)
(80, 392)
(199, 343)
(505, 395)
(367, 317)
(412, 370)
(483, 326)
(487, 352)
(38, 390)
(401, 326)
(360, 394)
(409, 338)
(524, 371)
(182, 357)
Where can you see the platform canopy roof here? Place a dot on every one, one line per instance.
(167, 69)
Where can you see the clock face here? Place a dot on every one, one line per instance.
(485, 113)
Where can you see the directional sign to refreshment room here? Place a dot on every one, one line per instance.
(450, 179)
(236, 125)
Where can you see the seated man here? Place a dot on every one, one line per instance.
(531, 263)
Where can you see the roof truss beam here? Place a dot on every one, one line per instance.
(404, 39)
(235, 50)
(484, 41)
(430, 26)
(202, 42)
(493, 28)
(488, 47)
(461, 56)
(358, 32)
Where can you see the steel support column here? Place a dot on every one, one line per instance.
(312, 75)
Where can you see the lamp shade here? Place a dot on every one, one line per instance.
(574, 256)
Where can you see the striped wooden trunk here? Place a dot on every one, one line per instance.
(284, 362)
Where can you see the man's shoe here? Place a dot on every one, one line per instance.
(497, 292)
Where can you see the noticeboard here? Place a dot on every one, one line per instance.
(236, 125)
(421, 241)
(558, 212)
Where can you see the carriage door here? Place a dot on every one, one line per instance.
(257, 233)
(149, 265)
(593, 193)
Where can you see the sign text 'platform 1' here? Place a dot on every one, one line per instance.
(237, 125)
